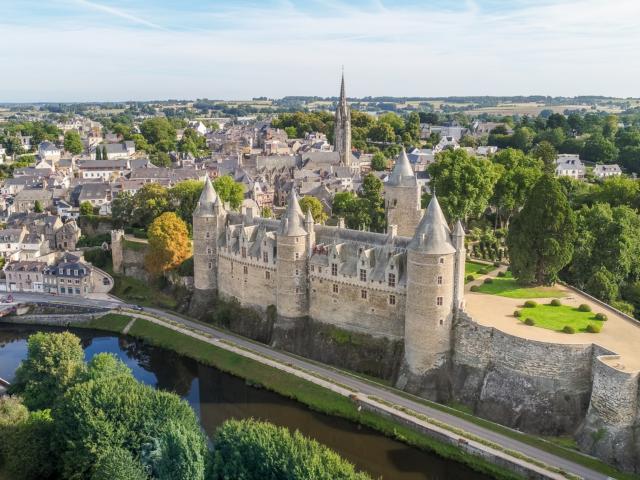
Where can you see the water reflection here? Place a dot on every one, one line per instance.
(217, 396)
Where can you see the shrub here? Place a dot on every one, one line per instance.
(530, 321)
(555, 303)
(482, 271)
(593, 328)
(530, 304)
(496, 264)
(569, 329)
(470, 278)
(517, 313)
(584, 307)
(488, 280)
(502, 274)
(601, 316)
(474, 288)
(624, 307)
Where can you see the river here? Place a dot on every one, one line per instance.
(217, 396)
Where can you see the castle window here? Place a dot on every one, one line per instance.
(392, 279)
(297, 240)
(210, 265)
(335, 288)
(244, 252)
(439, 301)
(267, 275)
(363, 275)
(319, 269)
(297, 289)
(265, 257)
(392, 299)
(297, 255)
(313, 268)
(334, 269)
(441, 259)
(245, 269)
(297, 272)
(363, 294)
(441, 321)
(362, 262)
(207, 235)
(208, 251)
(360, 251)
(440, 280)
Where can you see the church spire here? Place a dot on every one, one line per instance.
(342, 128)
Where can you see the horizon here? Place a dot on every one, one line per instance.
(78, 51)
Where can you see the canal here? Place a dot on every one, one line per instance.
(217, 396)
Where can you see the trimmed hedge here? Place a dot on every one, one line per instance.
(517, 313)
(555, 303)
(488, 280)
(502, 274)
(474, 288)
(584, 307)
(530, 304)
(470, 278)
(593, 328)
(569, 329)
(601, 316)
(530, 321)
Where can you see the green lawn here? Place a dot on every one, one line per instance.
(471, 267)
(111, 322)
(145, 293)
(556, 318)
(508, 287)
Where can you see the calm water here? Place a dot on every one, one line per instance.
(217, 396)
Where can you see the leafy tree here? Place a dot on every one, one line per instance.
(617, 191)
(181, 454)
(317, 210)
(547, 153)
(379, 162)
(383, 133)
(250, 449)
(73, 142)
(12, 413)
(229, 190)
(52, 365)
(98, 153)
(122, 210)
(603, 285)
(161, 159)
(522, 139)
(541, 236)
(86, 208)
(169, 243)
(160, 133)
(105, 155)
(598, 149)
(117, 463)
(37, 207)
(266, 212)
(148, 203)
(184, 198)
(463, 184)
(105, 365)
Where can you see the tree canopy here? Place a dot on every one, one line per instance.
(169, 243)
(73, 142)
(229, 190)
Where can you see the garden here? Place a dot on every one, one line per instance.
(561, 318)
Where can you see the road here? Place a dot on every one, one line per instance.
(362, 387)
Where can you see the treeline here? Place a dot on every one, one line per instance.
(72, 419)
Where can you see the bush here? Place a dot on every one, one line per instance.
(470, 278)
(624, 307)
(474, 288)
(482, 271)
(569, 329)
(530, 321)
(517, 313)
(530, 304)
(488, 280)
(593, 328)
(98, 257)
(601, 316)
(584, 307)
(555, 303)
(496, 264)
(502, 274)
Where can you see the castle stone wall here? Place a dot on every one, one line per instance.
(403, 208)
(250, 289)
(346, 309)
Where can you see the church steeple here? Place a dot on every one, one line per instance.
(342, 129)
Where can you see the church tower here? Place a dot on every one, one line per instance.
(402, 197)
(342, 128)
(208, 224)
(431, 279)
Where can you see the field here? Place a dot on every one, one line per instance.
(508, 287)
(556, 318)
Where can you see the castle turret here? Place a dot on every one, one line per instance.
(461, 253)
(431, 263)
(292, 261)
(402, 197)
(208, 223)
(308, 225)
(342, 128)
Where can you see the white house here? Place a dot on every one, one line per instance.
(603, 171)
(570, 165)
(198, 127)
(49, 152)
(122, 150)
(446, 142)
(103, 169)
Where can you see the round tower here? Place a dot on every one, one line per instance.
(292, 261)
(402, 197)
(431, 263)
(208, 221)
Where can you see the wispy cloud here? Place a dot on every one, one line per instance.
(116, 12)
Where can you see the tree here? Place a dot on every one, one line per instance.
(181, 454)
(184, 197)
(250, 449)
(229, 190)
(598, 149)
(522, 138)
(52, 365)
(37, 207)
(382, 132)
(105, 156)
(161, 159)
(148, 203)
(603, 285)
(541, 236)
(617, 191)
(73, 142)
(117, 463)
(317, 210)
(379, 162)
(122, 210)
(547, 153)
(86, 208)
(160, 133)
(169, 243)
(98, 153)
(266, 212)
(463, 184)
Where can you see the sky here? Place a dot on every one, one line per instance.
(117, 50)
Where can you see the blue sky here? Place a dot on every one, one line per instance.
(80, 50)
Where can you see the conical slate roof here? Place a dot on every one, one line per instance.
(207, 199)
(433, 235)
(293, 219)
(458, 230)
(402, 174)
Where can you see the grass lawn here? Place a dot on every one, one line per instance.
(556, 318)
(112, 322)
(471, 267)
(145, 293)
(508, 287)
